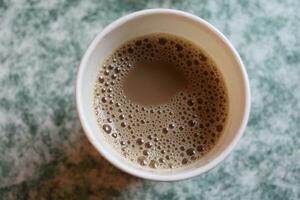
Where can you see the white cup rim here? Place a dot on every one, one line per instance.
(144, 174)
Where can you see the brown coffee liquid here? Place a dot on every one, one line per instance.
(161, 101)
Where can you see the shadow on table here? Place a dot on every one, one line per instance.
(82, 174)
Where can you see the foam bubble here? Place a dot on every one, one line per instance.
(106, 128)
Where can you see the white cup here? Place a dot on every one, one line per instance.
(200, 33)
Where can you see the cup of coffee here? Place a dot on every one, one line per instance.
(162, 95)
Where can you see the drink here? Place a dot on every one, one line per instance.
(160, 101)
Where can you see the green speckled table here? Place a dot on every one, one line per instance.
(44, 153)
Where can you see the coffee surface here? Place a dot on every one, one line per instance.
(161, 101)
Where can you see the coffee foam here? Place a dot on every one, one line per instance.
(172, 134)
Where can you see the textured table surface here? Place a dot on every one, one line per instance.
(44, 153)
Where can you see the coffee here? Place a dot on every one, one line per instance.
(161, 101)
